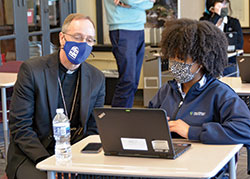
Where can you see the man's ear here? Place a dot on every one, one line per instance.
(62, 40)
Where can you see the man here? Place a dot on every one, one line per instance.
(59, 80)
(126, 21)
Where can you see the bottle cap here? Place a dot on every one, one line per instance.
(59, 110)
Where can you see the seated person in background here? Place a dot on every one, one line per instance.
(199, 106)
(217, 13)
(37, 95)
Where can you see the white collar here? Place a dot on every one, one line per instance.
(203, 81)
(225, 20)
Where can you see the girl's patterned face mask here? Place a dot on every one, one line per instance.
(182, 71)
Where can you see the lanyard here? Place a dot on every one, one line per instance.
(74, 100)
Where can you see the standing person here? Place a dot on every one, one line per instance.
(200, 107)
(126, 21)
(217, 13)
(59, 80)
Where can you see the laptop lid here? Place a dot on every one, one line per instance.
(244, 63)
(232, 41)
(135, 132)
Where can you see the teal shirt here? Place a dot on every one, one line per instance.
(132, 18)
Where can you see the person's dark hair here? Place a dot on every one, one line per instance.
(211, 3)
(201, 40)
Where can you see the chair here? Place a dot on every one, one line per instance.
(233, 63)
(11, 67)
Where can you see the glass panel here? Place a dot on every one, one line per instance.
(7, 50)
(54, 11)
(35, 45)
(54, 41)
(6, 18)
(33, 15)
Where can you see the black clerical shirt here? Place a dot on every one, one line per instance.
(68, 82)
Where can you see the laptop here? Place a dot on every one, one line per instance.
(136, 132)
(232, 41)
(244, 63)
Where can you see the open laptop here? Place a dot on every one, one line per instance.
(244, 64)
(232, 41)
(136, 132)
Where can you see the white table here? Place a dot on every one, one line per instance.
(236, 53)
(242, 89)
(200, 161)
(6, 80)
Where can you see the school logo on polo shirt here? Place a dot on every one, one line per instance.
(197, 113)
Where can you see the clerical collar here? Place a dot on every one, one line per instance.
(65, 70)
(70, 72)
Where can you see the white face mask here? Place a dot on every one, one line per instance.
(182, 71)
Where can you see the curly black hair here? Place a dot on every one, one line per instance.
(201, 40)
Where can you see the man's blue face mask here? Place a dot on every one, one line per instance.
(77, 52)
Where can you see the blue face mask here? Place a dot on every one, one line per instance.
(77, 52)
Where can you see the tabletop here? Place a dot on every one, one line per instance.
(236, 53)
(7, 79)
(200, 161)
(236, 84)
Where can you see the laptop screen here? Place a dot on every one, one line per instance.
(244, 63)
(134, 132)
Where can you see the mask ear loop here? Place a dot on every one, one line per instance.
(198, 70)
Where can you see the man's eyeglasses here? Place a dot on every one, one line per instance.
(80, 38)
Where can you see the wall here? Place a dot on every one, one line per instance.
(192, 9)
(241, 11)
(87, 7)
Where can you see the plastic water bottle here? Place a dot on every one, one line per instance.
(61, 128)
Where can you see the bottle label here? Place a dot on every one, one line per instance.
(61, 129)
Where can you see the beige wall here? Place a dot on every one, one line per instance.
(88, 8)
(192, 9)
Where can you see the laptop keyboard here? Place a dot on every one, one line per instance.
(180, 147)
